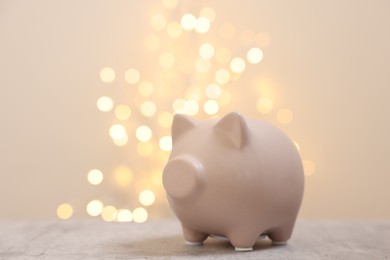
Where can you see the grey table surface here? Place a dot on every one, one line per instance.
(161, 239)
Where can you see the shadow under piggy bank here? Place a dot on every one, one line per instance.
(175, 247)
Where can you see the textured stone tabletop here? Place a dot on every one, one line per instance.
(92, 239)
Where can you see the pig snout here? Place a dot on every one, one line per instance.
(183, 177)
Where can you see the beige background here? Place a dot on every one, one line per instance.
(328, 62)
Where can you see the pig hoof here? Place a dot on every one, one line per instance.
(194, 243)
(279, 243)
(243, 249)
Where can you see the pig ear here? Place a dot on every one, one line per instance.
(234, 125)
(181, 124)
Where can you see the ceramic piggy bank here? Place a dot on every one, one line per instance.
(233, 177)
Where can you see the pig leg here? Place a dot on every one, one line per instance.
(243, 240)
(281, 234)
(193, 237)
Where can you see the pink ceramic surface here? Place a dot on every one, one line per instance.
(235, 177)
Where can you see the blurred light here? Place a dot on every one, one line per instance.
(284, 116)
(122, 112)
(146, 197)
(165, 119)
(213, 91)
(152, 42)
(254, 55)
(165, 143)
(148, 108)
(166, 60)
(179, 105)
(145, 149)
(94, 208)
(237, 65)
(64, 211)
(143, 133)
(309, 167)
(262, 39)
(170, 3)
(222, 76)
(202, 25)
(264, 105)
(124, 215)
(121, 142)
(188, 22)
(109, 213)
(211, 107)
(202, 65)
(105, 104)
(107, 75)
(225, 98)
(208, 12)
(158, 22)
(191, 107)
(132, 76)
(247, 37)
(227, 31)
(118, 132)
(123, 176)
(145, 88)
(174, 30)
(140, 215)
(206, 51)
(223, 55)
(95, 176)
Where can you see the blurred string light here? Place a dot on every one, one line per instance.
(192, 74)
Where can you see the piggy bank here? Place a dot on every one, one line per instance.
(234, 177)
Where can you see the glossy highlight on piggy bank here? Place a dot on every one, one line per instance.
(234, 177)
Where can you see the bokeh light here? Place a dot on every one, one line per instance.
(118, 132)
(174, 30)
(122, 112)
(254, 55)
(145, 149)
(64, 211)
(95, 208)
(109, 213)
(211, 107)
(206, 51)
(202, 65)
(145, 88)
(237, 65)
(213, 91)
(208, 12)
(132, 76)
(222, 76)
(143, 133)
(202, 25)
(264, 105)
(191, 107)
(107, 75)
(123, 176)
(146, 197)
(165, 143)
(124, 215)
(105, 104)
(188, 22)
(148, 108)
(95, 177)
(140, 215)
